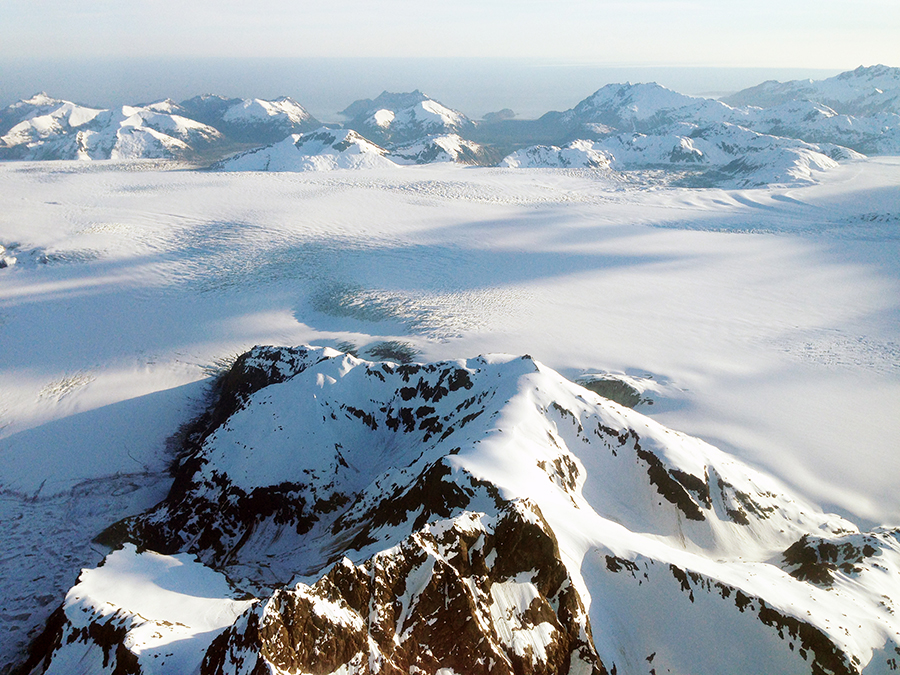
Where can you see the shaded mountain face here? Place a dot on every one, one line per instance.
(331, 514)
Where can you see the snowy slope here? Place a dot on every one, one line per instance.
(468, 513)
(764, 321)
(322, 150)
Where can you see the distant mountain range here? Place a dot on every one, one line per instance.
(43, 128)
(781, 132)
(863, 92)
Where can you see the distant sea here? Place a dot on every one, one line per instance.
(325, 86)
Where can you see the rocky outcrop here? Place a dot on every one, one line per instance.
(475, 595)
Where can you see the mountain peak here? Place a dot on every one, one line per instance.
(41, 98)
(478, 515)
(324, 149)
(386, 100)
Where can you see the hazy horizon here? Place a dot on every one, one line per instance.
(476, 57)
(325, 86)
(767, 33)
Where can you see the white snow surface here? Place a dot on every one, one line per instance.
(767, 318)
(173, 608)
(383, 117)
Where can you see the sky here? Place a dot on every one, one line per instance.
(474, 55)
(773, 33)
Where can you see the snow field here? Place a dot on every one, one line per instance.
(769, 318)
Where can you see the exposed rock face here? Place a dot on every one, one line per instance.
(435, 601)
(333, 515)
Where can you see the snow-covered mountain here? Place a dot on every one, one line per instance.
(484, 516)
(443, 148)
(643, 124)
(728, 155)
(46, 128)
(577, 154)
(398, 119)
(251, 120)
(866, 91)
(321, 150)
(878, 134)
(644, 108)
(63, 113)
(652, 109)
(55, 129)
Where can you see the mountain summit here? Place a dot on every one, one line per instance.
(404, 118)
(334, 515)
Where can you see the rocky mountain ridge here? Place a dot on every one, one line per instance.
(337, 515)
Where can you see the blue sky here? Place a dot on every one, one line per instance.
(772, 33)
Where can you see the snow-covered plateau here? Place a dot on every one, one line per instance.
(618, 416)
